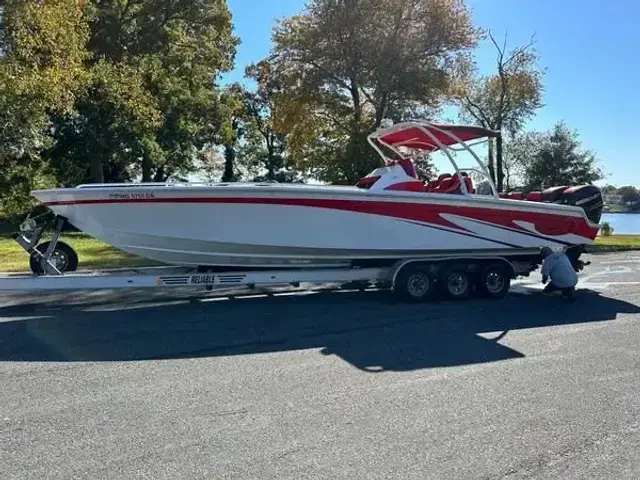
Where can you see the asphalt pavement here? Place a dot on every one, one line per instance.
(301, 383)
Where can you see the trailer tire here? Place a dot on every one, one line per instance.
(494, 281)
(456, 282)
(63, 253)
(415, 284)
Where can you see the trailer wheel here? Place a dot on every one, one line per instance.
(415, 284)
(456, 283)
(494, 281)
(64, 258)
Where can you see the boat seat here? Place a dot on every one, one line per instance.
(444, 185)
(468, 183)
(367, 182)
(533, 196)
(449, 185)
(434, 184)
(515, 195)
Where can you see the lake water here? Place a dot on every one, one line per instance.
(623, 223)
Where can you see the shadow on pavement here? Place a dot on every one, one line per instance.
(366, 329)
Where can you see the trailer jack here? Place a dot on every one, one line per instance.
(48, 258)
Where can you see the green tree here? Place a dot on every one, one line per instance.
(629, 193)
(264, 148)
(518, 152)
(345, 65)
(152, 104)
(43, 48)
(557, 159)
(503, 101)
(103, 90)
(231, 132)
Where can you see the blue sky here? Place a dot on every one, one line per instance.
(590, 49)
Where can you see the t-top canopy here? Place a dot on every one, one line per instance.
(429, 137)
(419, 135)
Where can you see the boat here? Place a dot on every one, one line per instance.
(389, 214)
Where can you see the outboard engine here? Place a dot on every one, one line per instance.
(588, 197)
(553, 194)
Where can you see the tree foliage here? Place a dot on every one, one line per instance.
(557, 159)
(106, 90)
(629, 194)
(162, 57)
(344, 65)
(503, 101)
(264, 150)
(41, 74)
(519, 150)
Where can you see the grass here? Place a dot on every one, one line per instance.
(92, 254)
(615, 243)
(96, 254)
(619, 240)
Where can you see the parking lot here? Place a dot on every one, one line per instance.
(324, 384)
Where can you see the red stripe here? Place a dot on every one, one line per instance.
(546, 224)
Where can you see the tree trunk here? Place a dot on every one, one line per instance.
(490, 164)
(270, 162)
(229, 160)
(146, 169)
(381, 110)
(95, 169)
(499, 168)
(507, 179)
(159, 175)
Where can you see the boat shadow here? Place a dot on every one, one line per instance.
(366, 329)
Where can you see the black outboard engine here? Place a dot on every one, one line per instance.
(553, 194)
(588, 197)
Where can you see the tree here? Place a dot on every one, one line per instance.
(558, 160)
(103, 90)
(629, 194)
(518, 151)
(210, 164)
(41, 75)
(346, 65)
(231, 132)
(263, 148)
(151, 103)
(502, 101)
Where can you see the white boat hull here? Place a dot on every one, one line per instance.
(300, 225)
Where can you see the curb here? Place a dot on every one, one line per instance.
(611, 248)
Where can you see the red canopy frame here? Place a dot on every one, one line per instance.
(424, 136)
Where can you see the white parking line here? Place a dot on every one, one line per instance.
(604, 284)
(607, 272)
(530, 288)
(619, 262)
